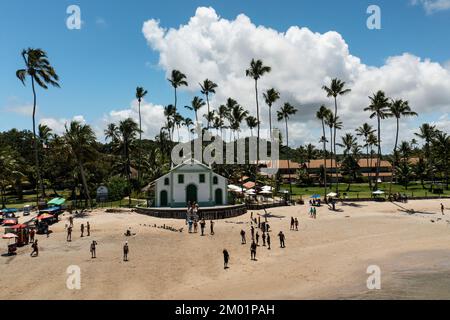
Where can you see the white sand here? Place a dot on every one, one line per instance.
(327, 258)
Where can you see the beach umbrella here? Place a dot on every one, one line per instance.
(57, 201)
(45, 216)
(9, 236)
(332, 195)
(9, 222)
(315, 196)
(378, 192)
(266, 192)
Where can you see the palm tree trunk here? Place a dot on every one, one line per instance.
(207, 102)
(140, 147)
(83, 179)
(394, 160)
(331, 157)
(270, 121)
(369, 175)
(257, 144)
(324, 157)
(379, 154)
(334, 143)
(175, 99)
(289, 165)
(39, 185)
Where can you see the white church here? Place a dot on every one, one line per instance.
(191, 181)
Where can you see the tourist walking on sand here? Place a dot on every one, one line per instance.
(442, 209)
(311, 212)
(243, 240)
(69, 234)
(190, 222)
(125, 251)
(257, 238)
(32, 232)
(82, 230)
(93, 249)
(202, 226)
(264, 239)
(226, 258)
(282, 238)
(35, 248)
(296, 224)
(212, 227)
(268, 241)
(88, 229)
(292, 223)
(252, 230)
(253, 247)
(314, 213)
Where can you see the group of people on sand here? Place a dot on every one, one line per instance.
(192, 220)
(294, 224)
(69, 229)
(255, 237)
(315, 203)
(313, 212)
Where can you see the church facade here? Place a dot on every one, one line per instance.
(191, 181)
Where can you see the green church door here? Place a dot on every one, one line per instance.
(218, 197)
(163, 198)
(191, 193)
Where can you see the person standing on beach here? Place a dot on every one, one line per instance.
(93, 249)
(190, 225)
(212, 227)
(264, 239)
(202, 226)
(125, 251)
(71, 221)
(257, 238)
(32, 232)
(195, 226)
(226, 258)
(82, 230)
(88, 229)
(442, 209)
(292, 223)
(35, 248)
(252, 230)
(268, 241)
(282, 238)
(314, 213)
(253, 247)
(69, 234)
(296, 224)
(243, 241)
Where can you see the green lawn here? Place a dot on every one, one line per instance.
(362, 190)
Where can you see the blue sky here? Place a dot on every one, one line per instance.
(101, 64)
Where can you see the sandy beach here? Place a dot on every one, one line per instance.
(326, 259)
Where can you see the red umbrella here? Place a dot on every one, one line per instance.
(19, 226)
(9, 222)
(45, 216)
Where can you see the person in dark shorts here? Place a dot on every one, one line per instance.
(32, 233)
(202, 226)
(243, 241)
(93, 249)
(212, 227)
(282, 238)
(82, 230)
(35, 248)
(442, 209)
(88, 229)
(296, 224)
(226, 258)
(71, 221)
(126, 249)
(292, 223)
(69, 234)
(268, 241)
(253, 247)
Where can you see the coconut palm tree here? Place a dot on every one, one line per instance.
(284, 114)
(127, 131)
(177, 79)
(336, 124)
(80, 138)
(196, 104)
(140, 94)
(217, 123)
(336, 88)
(365, 131)
(256, 71)
(40, 71)
(372, 141)
(230, 105)
(188, 123)
(322, 114)
(208, 87)
(271, 96)
(169, 113)
(379, 106)
(427, 133)
(238, 114)
(223, 114)
(252, 123)
(209, 117)
(398, 109)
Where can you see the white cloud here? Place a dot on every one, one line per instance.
(152, 118)
(16, 105)
(58, 124)
(432, 6)
(302, 61)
